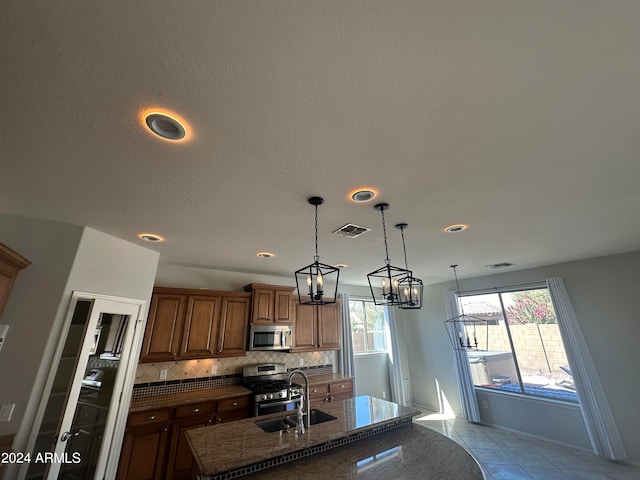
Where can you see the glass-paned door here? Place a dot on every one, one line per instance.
(75, 433)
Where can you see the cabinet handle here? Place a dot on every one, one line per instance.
(234, 404)
(151, 417)
(195, 410)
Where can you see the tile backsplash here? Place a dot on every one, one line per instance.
(186, 369)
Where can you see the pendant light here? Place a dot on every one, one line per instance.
(462, 329)
(317, 280)
(388, 277)
(409, 288)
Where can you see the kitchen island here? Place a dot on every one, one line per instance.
(371, 434)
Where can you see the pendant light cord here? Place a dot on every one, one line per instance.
(404, 248)
(317, 257)
(384, 232)
(458, 288)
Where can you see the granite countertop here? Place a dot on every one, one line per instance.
(244, 443)
(411, 451)
(184, 398)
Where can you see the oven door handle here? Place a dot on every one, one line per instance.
(277, 404)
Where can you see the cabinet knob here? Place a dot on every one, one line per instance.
(151, 417)
(195, 410)
(235, 404)
(342, 386)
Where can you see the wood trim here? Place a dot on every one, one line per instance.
(13, 258)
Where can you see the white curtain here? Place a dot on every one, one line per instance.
(596, 412)
(347, 366)
(396, 375)
(470, 407)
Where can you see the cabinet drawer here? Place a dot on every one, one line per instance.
(149, 417)
(341, 387)
(233, 403)
(195, 409)
(318, 390)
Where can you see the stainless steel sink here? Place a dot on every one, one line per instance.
(290, 421)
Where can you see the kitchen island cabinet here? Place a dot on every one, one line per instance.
(365, 429)
(189, 324)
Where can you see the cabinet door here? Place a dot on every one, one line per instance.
(262, 311)
(282, 307)
(164, 326)
(180, 455)
(305, 328)
(201, 325)
(143, 453)
(329, 327)
(232, 338)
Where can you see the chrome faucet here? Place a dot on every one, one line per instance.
(305, 398)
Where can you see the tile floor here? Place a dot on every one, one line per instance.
(508, 456)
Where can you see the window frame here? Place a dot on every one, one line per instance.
(505, 322)
(367, 351)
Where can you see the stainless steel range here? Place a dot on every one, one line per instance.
(269, 383)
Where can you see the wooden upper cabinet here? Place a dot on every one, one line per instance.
(10, 264)
(233, 333)
(201, 325)
(188, 324)
(329, 327)
(164, 327)
(271, 304)
(305, 328)
(316, 327)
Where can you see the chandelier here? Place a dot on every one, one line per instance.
(317, 283)
(386, 278)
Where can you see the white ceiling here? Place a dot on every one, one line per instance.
(519, 118)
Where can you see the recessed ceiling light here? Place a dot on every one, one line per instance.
(341, 265)
(265, 255)
(167, 125)
(361, 195)
(456, 228)
(150, 237)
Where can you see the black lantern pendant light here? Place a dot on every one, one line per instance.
(409, 287)
(462, 330)
(317, 283)
(388, 277)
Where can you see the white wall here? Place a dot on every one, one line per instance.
(65, 258)
(604, 294)
(372, 375)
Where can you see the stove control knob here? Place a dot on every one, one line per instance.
(264, 397)
(282, 394)
(270, 396)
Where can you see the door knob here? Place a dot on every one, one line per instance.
(67, 435)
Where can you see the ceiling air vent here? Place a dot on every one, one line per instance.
(351, 230)
(500, 265)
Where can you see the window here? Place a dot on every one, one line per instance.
(520, 349)
(368, 327)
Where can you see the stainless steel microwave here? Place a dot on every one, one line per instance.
(270, 337)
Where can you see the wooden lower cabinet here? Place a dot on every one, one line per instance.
(155, 446)
(330, 392)
(145, 445)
